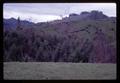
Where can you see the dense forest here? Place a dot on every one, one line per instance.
(87, 38)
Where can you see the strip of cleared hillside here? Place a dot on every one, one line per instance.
(59, 70)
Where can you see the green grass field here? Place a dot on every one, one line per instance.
(60, 71)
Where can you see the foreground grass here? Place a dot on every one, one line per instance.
(61, 71)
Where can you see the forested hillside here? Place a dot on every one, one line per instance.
(89, 37)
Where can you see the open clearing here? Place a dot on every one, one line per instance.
(59, 70)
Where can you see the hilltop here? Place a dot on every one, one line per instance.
(93, 15)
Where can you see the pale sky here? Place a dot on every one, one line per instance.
(42, 12)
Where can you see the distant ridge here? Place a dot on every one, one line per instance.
(93, 15)
(12, 23)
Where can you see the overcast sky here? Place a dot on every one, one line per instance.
(42, 12)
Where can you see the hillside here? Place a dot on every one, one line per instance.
(89, 37)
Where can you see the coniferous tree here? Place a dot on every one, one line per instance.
(19, 27)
